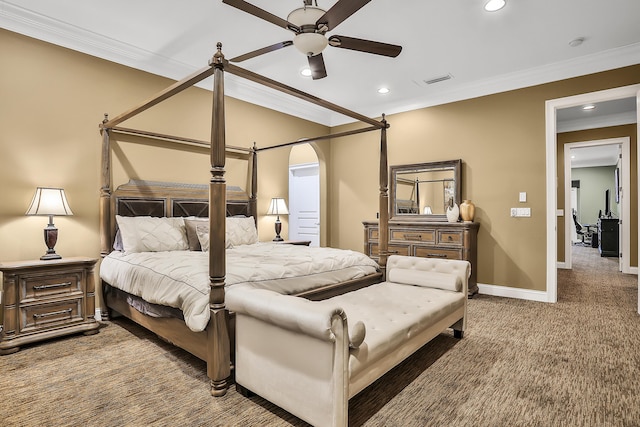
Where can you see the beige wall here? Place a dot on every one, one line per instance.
(501, 141)
(54, 98)
(52, 102)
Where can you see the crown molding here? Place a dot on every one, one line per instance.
(23, 21)
(28, 23)
(583, 65)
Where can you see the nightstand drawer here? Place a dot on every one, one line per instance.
(450, 237)
(44, 316)
(34, 287)
(430, 252)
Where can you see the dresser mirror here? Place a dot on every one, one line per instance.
(424, 190)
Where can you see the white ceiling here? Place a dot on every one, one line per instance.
(524, 44)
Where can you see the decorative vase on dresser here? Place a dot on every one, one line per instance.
(428, 240)
(46, 299)
(467, 210)
(453, 212)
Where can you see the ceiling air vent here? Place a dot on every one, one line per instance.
(427, 82)
(438, 79)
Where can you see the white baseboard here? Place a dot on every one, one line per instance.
(633, 270)
(518, 293)
(562, 265)
(98, 314)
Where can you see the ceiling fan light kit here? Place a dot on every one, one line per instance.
(310, 25)
(310, 44)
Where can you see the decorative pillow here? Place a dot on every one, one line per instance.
(117, 242)
(241, 231)
(192, 238)
(428, 279)
(152, 234)
(202, 231)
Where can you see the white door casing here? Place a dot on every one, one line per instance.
(551, 164)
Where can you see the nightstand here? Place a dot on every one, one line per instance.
(296, 242)
(46, 299)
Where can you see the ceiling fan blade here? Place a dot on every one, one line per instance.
(377, 48)
(262, 51)
(261, 13)
(339, 12)
(316, 64)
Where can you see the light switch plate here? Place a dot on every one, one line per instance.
(523, 197)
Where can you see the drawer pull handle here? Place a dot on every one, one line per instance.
(53, 313)
(52, 286)
(437, 255)
(450, 238)
(412, 236)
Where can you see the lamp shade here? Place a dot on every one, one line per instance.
(278, 207)
(49, 201)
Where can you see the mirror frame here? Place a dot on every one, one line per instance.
(456, 165)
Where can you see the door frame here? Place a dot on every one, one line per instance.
(624, 215)
(551, 107)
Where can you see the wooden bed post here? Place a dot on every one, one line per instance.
(383, 236)
(105, 209)
(253, 196)
(218, 340)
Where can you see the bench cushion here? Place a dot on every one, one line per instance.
(393, 313)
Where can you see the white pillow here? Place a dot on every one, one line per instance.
(202, 231)
(152, 234)
(428, 279)
(241, 231)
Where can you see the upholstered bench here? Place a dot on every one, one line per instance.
(311, 357)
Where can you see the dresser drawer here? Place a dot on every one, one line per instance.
(393, 249)
(421, 236)
(37, 286)
(431, 252)
(44, 316)
(450, 237)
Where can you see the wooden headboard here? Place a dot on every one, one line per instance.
(169, 199)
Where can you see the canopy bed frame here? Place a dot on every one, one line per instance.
(214, 345)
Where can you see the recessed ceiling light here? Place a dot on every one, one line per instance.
(306, 72)
(576, 42)
(383, 90)
(589, 107)
(493, 5)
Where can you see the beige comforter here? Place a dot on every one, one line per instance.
(180, 279)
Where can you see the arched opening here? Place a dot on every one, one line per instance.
(304, 195)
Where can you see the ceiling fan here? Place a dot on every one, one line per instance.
(310, 25)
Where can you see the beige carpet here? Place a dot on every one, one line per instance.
(521, 363)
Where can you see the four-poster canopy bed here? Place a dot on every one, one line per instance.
(214, 343)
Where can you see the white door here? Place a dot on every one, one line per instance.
(304, 203)
(622, 221)
(574, 208)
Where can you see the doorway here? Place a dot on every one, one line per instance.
(552, 211)
(304, 195)
(611, 157)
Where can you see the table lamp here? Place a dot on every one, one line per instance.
(49, 201)
(278, 207)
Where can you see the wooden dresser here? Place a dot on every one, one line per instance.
(428, 240)
(46, 299)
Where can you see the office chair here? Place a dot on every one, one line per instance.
(584, 231)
